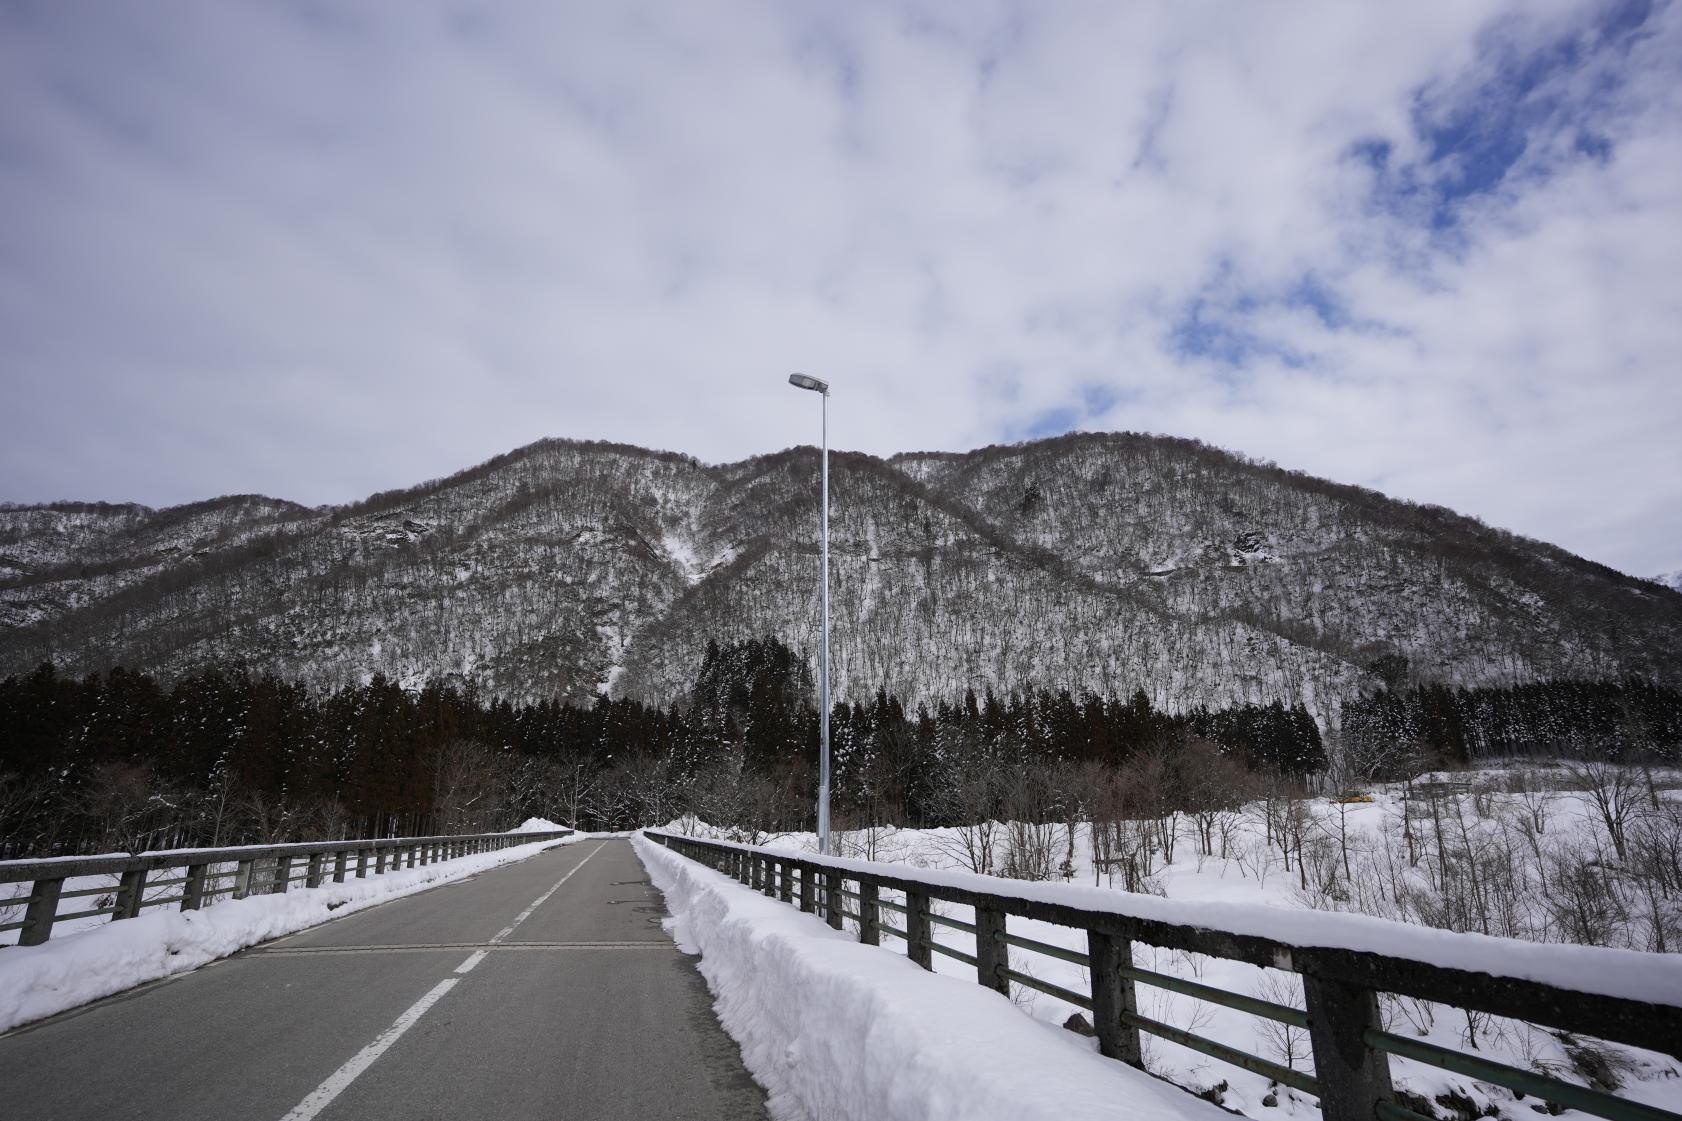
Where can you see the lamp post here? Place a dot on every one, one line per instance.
(801, 381)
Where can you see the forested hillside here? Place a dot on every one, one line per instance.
(1100, 563)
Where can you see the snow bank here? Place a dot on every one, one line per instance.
(70, 970)
(1631, 974)
(838, 1030)
(538, 825)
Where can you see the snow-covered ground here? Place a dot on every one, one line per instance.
(79, 965)
(1252, 887)
(841, 1031)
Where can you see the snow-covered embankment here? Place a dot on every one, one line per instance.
(840, 1030)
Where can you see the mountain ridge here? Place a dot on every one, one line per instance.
(1101, 562)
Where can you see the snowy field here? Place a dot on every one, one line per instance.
(1409, 859)
(93, 958)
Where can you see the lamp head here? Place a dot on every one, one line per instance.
(803, 381)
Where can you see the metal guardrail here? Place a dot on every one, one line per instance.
(1347, 1039)
(255, 870)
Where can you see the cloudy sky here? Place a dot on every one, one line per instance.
(317, 249)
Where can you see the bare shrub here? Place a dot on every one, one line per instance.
(1288, 1044)
(1615, 792)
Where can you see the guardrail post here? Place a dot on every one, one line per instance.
(992, 956)
(917, 933)
(870, 915)
(770, 883)
(42, 911)
(192, 892)
(785, 884)
(808, 890)
(1354, 1078)
(340, 860)
(361, 863)
(1113, 998)
(282, 874)
(379, 861)
(131, 889)
(312, 876)
(242, 879)
(832, 881)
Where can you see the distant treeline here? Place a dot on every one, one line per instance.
(119, 761)
(1393, 730)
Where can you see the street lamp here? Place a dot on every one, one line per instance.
(802, 381)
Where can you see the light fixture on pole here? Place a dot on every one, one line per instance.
(802, 381)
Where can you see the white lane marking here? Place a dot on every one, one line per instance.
(336, 1083)
(544, 898)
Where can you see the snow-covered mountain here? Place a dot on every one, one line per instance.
(1102, 562)
(1671, 580)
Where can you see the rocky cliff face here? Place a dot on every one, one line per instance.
(1108, 563)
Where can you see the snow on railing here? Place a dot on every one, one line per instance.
(208, 873)
(1344, 961)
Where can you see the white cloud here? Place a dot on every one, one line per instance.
(317, 253)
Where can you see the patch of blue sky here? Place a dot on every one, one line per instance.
(1508, 128)
(1051, 422)
(1312, 293)
(1217, 332)
(1096, 399)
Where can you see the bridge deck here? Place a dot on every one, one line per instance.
(544, 989)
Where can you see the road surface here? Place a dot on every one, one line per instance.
(544, 989)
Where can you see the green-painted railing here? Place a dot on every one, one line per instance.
(252, 870)
(1349, 1045)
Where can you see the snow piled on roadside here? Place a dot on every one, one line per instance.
(538, 825)
(71, 970)
(1630, 974)
(838, 1030)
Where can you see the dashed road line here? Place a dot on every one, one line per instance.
(336, 1083)
(322, 1096)
(544, 898)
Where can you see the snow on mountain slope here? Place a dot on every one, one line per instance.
(1109, 563)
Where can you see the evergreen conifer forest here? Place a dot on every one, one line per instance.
(118, 761)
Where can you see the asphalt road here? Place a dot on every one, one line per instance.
(545, 989)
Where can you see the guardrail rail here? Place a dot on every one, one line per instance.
(206, 874)
(1348, 1043)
